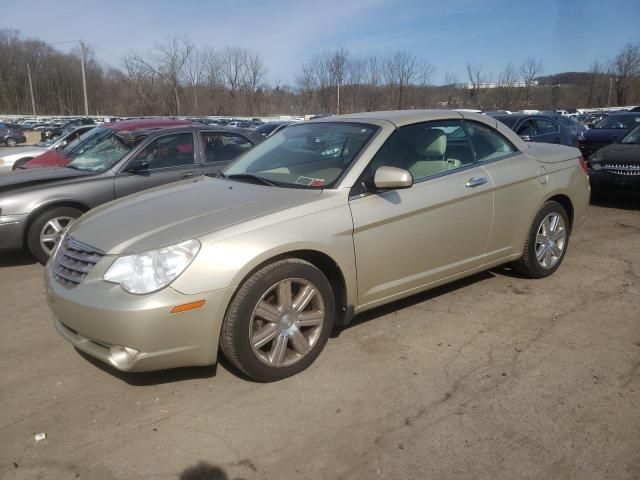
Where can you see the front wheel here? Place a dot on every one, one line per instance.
(279, 320)
(11, 142)
(46, 230)
(546, 243)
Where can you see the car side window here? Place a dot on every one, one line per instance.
(425, 149)
(223, 146)
(545, 126)
(488, 143)
(168, 151)
(526, 128)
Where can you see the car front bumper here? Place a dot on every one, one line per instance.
(12, 231)
(137, 332)
(606, 178)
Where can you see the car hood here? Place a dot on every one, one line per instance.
(10, 155)
(617, 153)
(166, 215)
(38, 176)
(604, 134)
(50, 158)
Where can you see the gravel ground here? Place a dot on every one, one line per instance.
(493, 377)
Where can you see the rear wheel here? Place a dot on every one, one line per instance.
(11, 142)
(46, 230)
(279, 320)
(547, 242)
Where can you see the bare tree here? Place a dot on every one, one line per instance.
(507, 84)
(195, 73)
(624, 69)
(401, 69)
(477, 79)
(173, 55)
(253, 78)
(530, 70)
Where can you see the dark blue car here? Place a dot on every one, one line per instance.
(607, 131)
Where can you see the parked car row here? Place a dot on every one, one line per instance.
(17, 157)
(109, 162)
(10, 135)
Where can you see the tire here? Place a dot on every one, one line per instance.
(11, 142)
(544, 251)
(18, 163)
(63, 215)
(283, 353)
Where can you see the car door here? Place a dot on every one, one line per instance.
(547, 130)
(407, 239)
(219, 148)
(165, 159)
(517, 179)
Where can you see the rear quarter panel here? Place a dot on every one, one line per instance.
(523, 184)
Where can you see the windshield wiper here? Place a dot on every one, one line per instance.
(249, 176)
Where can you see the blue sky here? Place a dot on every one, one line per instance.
(567, 35)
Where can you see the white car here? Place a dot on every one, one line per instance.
(12, 158)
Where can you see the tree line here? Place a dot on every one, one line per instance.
(178, 77)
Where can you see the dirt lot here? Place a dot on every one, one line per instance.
(495, 377)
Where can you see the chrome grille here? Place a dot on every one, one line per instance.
(73, 261)
(622, 169)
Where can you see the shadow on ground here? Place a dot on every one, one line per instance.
(143, 379)
(15, 258)
(428, 295)
(203, 471)
(619, 200)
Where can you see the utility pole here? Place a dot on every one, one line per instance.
(33, 101)
(84, 80)
(609, 98)
(338, 105)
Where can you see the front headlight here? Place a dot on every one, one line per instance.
(152, 271)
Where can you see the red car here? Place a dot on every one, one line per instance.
(60, 157)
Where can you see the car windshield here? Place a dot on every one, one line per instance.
(311, 155)
(98, 152)
(633, 137)
(618, 122)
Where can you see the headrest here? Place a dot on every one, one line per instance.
(432, 143)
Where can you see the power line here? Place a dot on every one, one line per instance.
(105, 51)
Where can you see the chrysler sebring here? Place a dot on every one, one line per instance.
(322, 221)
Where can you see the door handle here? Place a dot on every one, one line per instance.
(476, 182)
(189, 175)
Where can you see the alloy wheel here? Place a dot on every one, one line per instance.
(287, 322)
(551, 239)
(52, 232)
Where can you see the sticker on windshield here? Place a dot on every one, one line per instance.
(317, 182)
(304, 180)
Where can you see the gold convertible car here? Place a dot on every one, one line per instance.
(320, 222)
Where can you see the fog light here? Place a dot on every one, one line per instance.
(596, 166)
(122, 356)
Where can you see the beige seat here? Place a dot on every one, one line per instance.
(431, 155)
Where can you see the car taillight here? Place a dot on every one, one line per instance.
(583, 163)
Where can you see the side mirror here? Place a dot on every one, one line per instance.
(137, 166)
(390, 178)
(526, 138)
(589, 125)
(63, 143)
